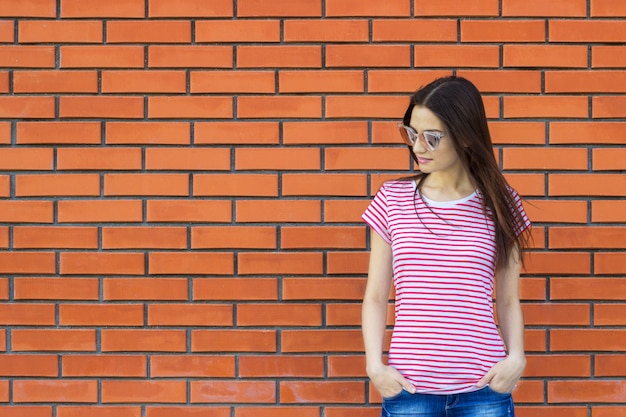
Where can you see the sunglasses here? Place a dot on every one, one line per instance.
(410, 136)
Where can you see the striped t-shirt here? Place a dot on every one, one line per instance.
(445, 337)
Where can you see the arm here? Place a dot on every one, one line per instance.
(505, 374)
(386, 379)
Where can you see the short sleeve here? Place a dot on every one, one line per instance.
(376, 215)
(523, 222)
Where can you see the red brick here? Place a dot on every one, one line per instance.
(98, 411)
(587, 185)
(308, 288)
(280, 411)
(233, 340)
(41, 185)
(164, 289)
(60, 31)
(279, 8)
(27, 263)
(242, 237)
(587, 289)
(97, 211)
(538, 8)
(243, 185)
(609, 365)
(119, 158)
(481, 56)
(607, 8)
(186, 411)
(190, 56)
(551, 411)
(347, 262)
(183, 107)
(558, 263)
(580, 132)
(279, 315)
(400, 80)
(104, 106)
(196, 263)
(102, 263)
(260, 366)
(187, 159)
(347, 315)
(365, 158)
(545, 158)
(365, 106)
(414, 30)
(146, 31)
(322, 392)
(101, 315)
(253, 263)
(255, 107)
(230, 31)
(4, 81)
(589, 31)
(152, 133)
(321, 341)
(144, 237)
(557, 314)
(87, 133)
(344, 211)
(29, 365)
(585, 81)
(55, 289)
(586, 340)
(545, 106)
(146, 184)
(19, 56)
(15, 107)
(335, 30)
(190, 8)
(608, 159)
(190, 315)
(229, 133)
(239, 289)
(141, 81)
(31, 159)
(233, 391)
(147, 391)
(609, 263)
(102, 56)
(504, 81)
(281, 211)
(368, 56)
(185, 211)
(453, 8)
(502, 31)
(346, 366)
(277, 158)
(94, 8)
(233, 82)
(52, 237)
(609, 211)
(335, 132)
(46, 391)
(585, 391)
(583, 237)
(104, 366)
(53, 340)
(28, 8)
(609, 314)
(279, 56)
(27, 411)
(300, 237)
(607, 411)
(608, 57)
(321, 81)
(27, 314)
(570, 56)
(557, 211)
(207, 366)
(144, 340)
(608, 107)
(7, 31)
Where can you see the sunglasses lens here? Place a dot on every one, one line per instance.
(431, 140)
(407, 137)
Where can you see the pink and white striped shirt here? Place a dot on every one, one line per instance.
(445, 337)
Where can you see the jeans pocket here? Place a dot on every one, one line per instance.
(393, 397)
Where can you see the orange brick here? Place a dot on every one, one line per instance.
(556, 314)
(587, 238)
(277, 158)
(587, 289)
(454, 8)
(608, 159)
(144, 391)
(102, 56)
(558, 263)
(275, 56)
(5, 186)
(481, 56)
(233, 340)
(146, 31)
(518, 133)
(15, 107)
(609, 314)
(545, 106)
(580, 132)
(284, 411)
(146, 184)
(87, 133)
(165, 289)
(58, 81)
(144, 237)
(321, 81)
(347, 262)
(347, 315)
(608, 107)
(551, 411)
(545, 158)
(55, 288)
(78, 340)
(607, 8)
(27, 263)
(186, 411)
(365, 107)
(53, 237)
(609, 211)
(307, 237)
(400, 81)
(280, 211)
(96, 211)
(31, 159)
(229, 133)
(33, 391)
(324, 392)
(215, 366)
(235, 289)
(75, 263)
(289, 107)
(144, 340)
(321, 341)
(60, 31)
(40, 185)
(557, 211)
(93, 8)
(4, 237)
(33, 8)
(414, 30)
(230, 31)
(262, 366)
(324, 185)
(28, 56)
(609, 263)
(243, 185)
(152, 133)
(197, 263)
(27, 314)
(4, 81)
(190, 8)
(368, 56)
(98, 411)
(233, 391)
(585, 81)
(141, 81)
(545, 56)
(7, 31)
(190, 56)
(609, 365)
(188, 159)
(233, 82)
(5, 131)
(256, 263)
(592, 31)
(25, 365)
(335, 132)
(335, 30)
(101, 315)
(279, 315)
(346, 366)
(186, 211)
(190, 315)
(105, 106)
(538, 8)
(242, 237)
(607, 411)
(344, 211)
(119, 158)
(183, 107)
(608, 57)
(587, 184)
(365, 158)
(586, 340)
(585, 391)
(502, 31)
(279, 8)
(310, 288)
(507, 80)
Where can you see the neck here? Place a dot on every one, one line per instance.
(448, 185)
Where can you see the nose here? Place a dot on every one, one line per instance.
(418, 146)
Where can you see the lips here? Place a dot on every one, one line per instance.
(423, 160)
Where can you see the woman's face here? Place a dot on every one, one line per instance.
(444, 157)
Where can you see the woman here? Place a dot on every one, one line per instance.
(443, 237)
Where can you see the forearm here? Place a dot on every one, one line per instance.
(374, 318)
(511, 320)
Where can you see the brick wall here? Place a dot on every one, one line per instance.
(181, 184)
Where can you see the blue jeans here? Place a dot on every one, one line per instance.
(482, 403)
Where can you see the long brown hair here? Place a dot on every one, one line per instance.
(459, 106)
